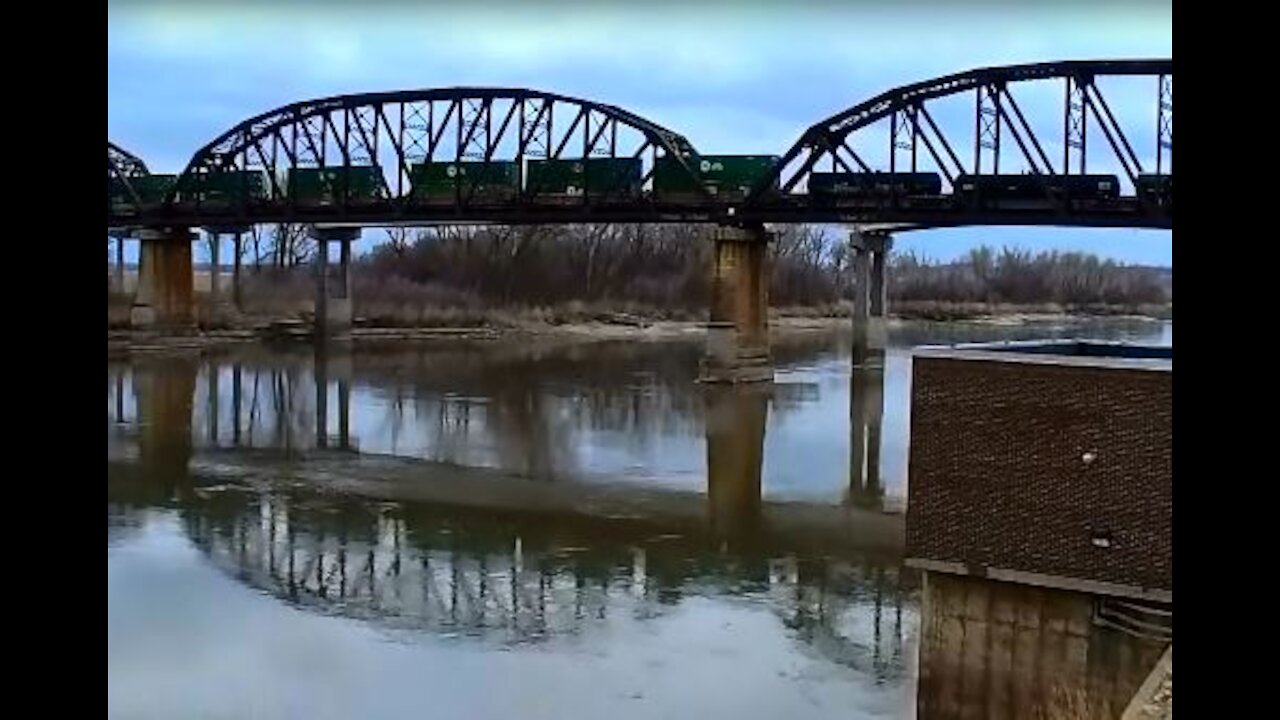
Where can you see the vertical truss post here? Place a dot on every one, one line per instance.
(987, 122)
(1164, 124)
(904, 134)
(1075, 124)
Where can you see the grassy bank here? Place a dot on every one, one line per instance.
(373, 309)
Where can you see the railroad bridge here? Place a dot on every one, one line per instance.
(951, 151)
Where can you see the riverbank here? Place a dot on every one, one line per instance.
(128, 341)
(385, 309)
(619, 327)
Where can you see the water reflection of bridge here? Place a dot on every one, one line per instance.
(518, 408)
(415, 546)
(525, 562)
(526, 578)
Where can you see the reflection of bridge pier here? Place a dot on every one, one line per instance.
(119, 396)
(164, 392)
(735, 424)
(738, 330)
(285, 410)
(870, 262)
(337, 366)
(236, 399)
(333, 294)
(165, 295)
(866, 412)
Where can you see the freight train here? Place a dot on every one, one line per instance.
(728, 177)
(982, 191)
(722, 177)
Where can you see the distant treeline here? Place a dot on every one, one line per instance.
(1013, 276)
(667, 266)
(472, 274)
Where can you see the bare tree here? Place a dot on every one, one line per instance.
(398, 239)
(290, 245)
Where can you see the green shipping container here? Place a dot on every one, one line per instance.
(598, 176)
(722, 175)
(230, 187)
(324, 186)
(445, 179)
(151, 190)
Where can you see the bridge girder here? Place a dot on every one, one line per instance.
(393, 130)
(386, 134)
(124, 167)
(914, 132)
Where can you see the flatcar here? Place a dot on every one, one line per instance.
(1156, 189)
(834, 185)
(1035, 187)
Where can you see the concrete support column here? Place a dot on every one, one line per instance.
(215, 268)
(333, 294)
(738, 330)
(165, 298)
(870, 299)
(119, 268)
(238, 248)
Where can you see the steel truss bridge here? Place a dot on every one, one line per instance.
(967, 125)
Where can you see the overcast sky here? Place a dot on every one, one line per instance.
(734, 77)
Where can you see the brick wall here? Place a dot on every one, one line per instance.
(1062, 470)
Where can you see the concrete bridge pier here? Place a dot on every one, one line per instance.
(165, 298)
(236, 293)
(218, 299)
(870, 302)
(117, 271)
(333, 290)
(738, 330)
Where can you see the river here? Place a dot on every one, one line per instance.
(543, 529)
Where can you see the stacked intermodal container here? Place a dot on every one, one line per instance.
(447, 181)
(723, 176)
(151, 190)
(363, 184)
(593, 176)
(231, 187)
